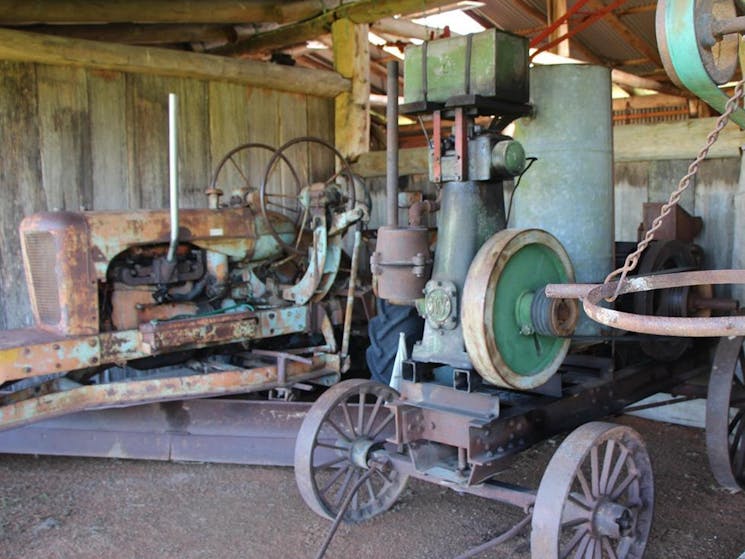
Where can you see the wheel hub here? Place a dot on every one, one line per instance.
(612, 519)
(361, 450)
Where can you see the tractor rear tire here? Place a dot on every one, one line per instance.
(383, 330)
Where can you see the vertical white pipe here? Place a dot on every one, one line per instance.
(391, 116)
(173, 172)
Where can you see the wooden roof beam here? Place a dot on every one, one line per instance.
(140, 34)
(404, 28)
(47, 49)
(364, 11)
(638, 82)
(160, 11)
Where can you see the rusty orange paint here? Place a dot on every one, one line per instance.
(32, 352)
(56, 403)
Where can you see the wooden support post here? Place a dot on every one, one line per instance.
(352, 60)
(557, 9)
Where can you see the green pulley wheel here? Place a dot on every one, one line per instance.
(515, 336)
(693, 53)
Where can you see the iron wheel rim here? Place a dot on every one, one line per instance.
(600, 467)
(725, 428)
(325, 468)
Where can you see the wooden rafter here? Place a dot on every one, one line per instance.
(139, 33)
(404, 28)
(160, 11)
(644, 8)
(364, 11)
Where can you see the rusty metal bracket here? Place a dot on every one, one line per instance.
(701, 327)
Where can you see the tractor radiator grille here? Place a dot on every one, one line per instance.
(41, 251)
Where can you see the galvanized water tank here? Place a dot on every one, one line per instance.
(569, 190)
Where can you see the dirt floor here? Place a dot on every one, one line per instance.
(95, 508)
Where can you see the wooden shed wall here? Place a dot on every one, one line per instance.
(74, 137)
(710, 195)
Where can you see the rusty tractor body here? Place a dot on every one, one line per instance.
(223, 309)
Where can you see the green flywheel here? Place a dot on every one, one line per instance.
(511, 330)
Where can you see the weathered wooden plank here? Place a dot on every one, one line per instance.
(20, 184)
(411, 161)
(194, 145)
(147, 132)
(320, 119)
(293, 123)
(738, 235)
(139, 34)
(107, 101)
(714, 201)
(48, 49)
(664, 177)
(261, 107)
(228, 128)
(65, 137)
(674, 140)
(167, 11)
(634, 142)
(630, 193)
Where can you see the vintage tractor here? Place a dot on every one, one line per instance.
(492, 372)
(242, 296)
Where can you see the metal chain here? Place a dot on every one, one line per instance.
(633, 259)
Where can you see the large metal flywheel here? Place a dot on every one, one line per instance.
(515, 336)
(694, 53)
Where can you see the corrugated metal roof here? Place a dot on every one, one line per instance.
(600, 38)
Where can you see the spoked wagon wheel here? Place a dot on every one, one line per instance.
(298, 202)
(725, 407)
(342, 429)
(596, 497)
(235, 160)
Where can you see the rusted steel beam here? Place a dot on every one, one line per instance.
(219, 382)
(205, 430)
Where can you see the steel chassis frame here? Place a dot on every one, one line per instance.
(460, 437)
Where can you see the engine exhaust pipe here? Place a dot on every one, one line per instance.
(391, 117)
(173, 172)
